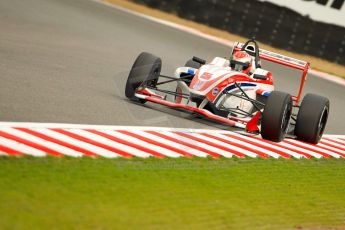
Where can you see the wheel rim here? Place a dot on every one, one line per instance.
(153, 82)
(322, 122)
(286, 118)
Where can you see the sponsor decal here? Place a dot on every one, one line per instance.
(206, 76)
(198, 85)
(215, 91)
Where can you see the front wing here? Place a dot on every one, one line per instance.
(148, 95)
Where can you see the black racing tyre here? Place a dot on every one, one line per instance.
(276, 116)
(312, 118)
(193, 64)
(145, 70)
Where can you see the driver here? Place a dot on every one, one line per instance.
(242, 62)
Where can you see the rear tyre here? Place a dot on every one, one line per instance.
(145, 72)
(312, 118)
(276, 116)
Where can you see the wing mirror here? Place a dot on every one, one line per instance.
(259, 76)
(199, 60)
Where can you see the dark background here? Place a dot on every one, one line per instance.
(277, 26)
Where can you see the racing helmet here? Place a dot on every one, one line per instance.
(241, 61)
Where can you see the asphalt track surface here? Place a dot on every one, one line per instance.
(66, 61)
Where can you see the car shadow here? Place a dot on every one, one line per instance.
(183, 114)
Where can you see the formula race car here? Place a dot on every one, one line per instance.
(235, 91)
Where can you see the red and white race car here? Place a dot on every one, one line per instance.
(234, 91)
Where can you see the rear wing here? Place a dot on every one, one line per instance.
(282, 60)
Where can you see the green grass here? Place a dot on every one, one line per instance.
(66, 193)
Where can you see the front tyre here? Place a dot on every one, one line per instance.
(145, 72)
(312, 118)
(276, 116)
